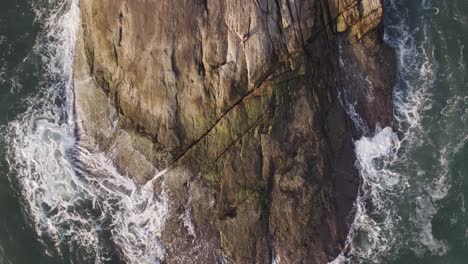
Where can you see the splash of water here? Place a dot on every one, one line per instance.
(392, 175)
(81, 207)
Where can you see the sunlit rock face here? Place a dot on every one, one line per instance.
(239, 99)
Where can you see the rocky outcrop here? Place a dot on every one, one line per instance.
(367, 67)
(240, 100)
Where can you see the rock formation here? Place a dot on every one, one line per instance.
(239, 99)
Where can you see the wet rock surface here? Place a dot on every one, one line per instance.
(240, 99)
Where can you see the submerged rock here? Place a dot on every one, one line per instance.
(240, 100)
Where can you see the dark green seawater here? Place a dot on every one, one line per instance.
(61, 203)
(413, 202)
(411, 206)
(434, 158)
(19, 69)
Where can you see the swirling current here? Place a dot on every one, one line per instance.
(77, 208)
(81, 209)
(411, 205)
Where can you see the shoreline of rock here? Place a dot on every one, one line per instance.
(259, 145)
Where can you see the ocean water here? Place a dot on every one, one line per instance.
(72, 206)
(61, 204)
(411, 205)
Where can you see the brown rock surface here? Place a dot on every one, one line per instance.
(239, 99)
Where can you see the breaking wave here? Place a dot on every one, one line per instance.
(405, 176)
(81, 207)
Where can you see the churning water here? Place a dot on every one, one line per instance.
(411, 205)
(80, 207)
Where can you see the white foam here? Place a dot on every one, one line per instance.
(387, 165)
(2, 259)
(345, 97)
(424, 212)
(76, 199)
(186, 218)
(426, 4)
(369, 238)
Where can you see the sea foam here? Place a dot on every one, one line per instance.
(80, 206)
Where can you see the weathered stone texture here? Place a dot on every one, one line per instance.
(239, 99)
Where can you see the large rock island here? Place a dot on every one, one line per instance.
(240, 100)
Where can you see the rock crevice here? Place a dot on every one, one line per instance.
(240, 100)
